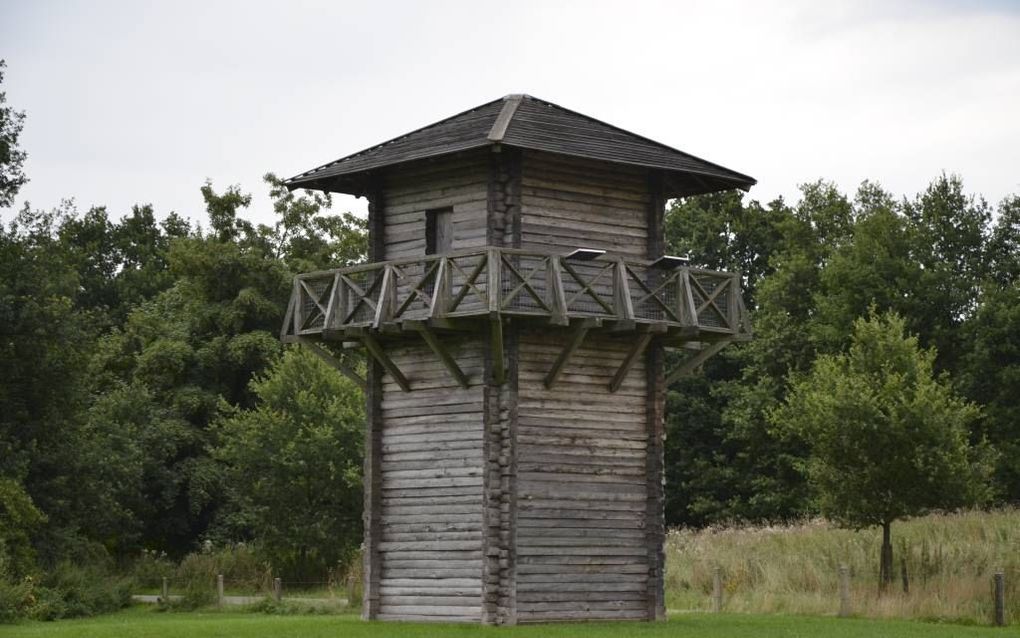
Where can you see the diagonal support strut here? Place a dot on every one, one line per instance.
(635, 352)
(703, 355)
(580, 330)
(439, 349)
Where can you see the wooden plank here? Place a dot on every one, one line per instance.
(635, 352)
(333, 362)
(377, 352)
(654, 469)
(691, 364)
(440, 351)
(496, 348)
(287, 317)
(372, 474)
(506, 114)
(580, 330)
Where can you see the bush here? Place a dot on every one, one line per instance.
(15, 599)
(150, 568)
(71, 591)
(240, 565)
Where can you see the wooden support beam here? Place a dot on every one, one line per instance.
(580, 330)
(492, 284)
(621, 292)
(703, 355)
(635, 352)
(286, 319)
(554, 284)
(496, 346)
(332, 361)
(386, 296)
(439, 349)
(331, 304)
(377, 352)
(441, 290)
(506, 114)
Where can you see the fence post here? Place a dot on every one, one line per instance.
(844, 591)
(166, 590)
(277, 589)
(717, 589)
(219, 589)
(1000, 598)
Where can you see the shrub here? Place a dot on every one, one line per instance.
(70, 591)
(150, 568)
(240, 565)
(15, 599)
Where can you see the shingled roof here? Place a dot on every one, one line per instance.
(527, 122)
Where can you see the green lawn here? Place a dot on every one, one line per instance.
(146, 623)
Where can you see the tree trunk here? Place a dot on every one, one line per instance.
(885, 572)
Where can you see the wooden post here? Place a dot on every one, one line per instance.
(277, 589)
(219, 589)
(844, 591)
(717, 589)
(166, 589)
(903, 572)
(999, 588)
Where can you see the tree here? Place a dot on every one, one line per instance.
(293, 465)
(1004, 243)
(991, 376)
(949, 235)
(888, 439)
(12, 158)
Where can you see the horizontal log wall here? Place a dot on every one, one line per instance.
(572, 203)
(460, 182)
(431, 524)
(581, 484)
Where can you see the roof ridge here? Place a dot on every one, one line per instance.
(499, 126)
(642, 137)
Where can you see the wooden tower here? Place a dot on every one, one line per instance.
(514, 313)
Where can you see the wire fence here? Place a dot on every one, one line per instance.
(988, 595)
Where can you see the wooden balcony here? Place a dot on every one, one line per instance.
(478, 289)
(448, 291)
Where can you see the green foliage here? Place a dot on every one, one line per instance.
(239, 564)
(12, 158)
(950, 559)
(991, 376)
(294, 465)
(888, 438)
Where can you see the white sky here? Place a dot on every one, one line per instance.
(137, 102)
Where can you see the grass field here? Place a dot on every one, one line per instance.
(147, 623)
(950, 559)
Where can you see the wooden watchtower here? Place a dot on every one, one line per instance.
(514, 313)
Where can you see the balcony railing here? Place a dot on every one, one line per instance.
(701, 304)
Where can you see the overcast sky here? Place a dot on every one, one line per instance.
(138, 102)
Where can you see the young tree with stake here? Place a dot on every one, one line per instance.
(888, 438)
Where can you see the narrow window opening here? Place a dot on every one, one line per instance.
(438, 231)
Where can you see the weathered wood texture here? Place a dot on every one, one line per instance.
(372, 477)
(431, 520)
(582, 511)
(574, 203)
(506, 501)
(459, 182)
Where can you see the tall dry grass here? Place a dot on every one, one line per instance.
(950, 561)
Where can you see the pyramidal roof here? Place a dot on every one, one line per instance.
(527, 122)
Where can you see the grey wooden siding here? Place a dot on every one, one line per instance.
(460, 182)
(431, 507)
(581, 485)
(571, 203)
